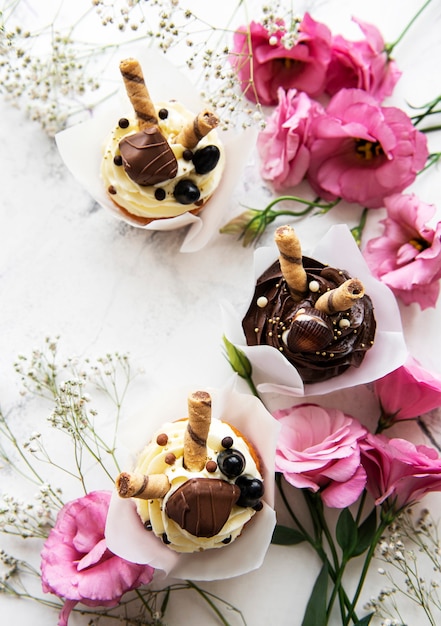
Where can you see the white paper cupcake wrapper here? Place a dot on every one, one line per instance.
(81, 148)
(125, 533)
(272, 373)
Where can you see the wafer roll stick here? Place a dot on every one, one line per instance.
(195, 438)
(291, 261)
(193, 132)
(141, 486)
(138, 93)
(341, 298)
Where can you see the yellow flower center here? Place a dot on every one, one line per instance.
(419, 244)
(368, 150)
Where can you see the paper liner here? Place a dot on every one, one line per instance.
(272, 372)
(81, 148)
(125, 533)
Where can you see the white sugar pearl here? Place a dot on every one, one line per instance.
(262, 302)
(314, 286)
(344, 323)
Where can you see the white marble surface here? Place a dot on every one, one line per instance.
(69, 268)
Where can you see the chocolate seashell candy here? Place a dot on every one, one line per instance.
(310, 330)
(202, 506)
(147, 157)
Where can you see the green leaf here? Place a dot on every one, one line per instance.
(365, 620)
(315, 614)
(346, 533)
(285, 536)
(366, 533)
(238, 361)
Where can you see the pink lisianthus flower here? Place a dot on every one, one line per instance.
(407, 393)
(263, 63)
(282, 147)
(362, 152)
(399, 473)
(76, 564)
(407, 257)
(318, 449)
(362, 64)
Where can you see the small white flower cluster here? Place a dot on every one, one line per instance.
(409, 548)
(28, 519)
(57, 79)
(284, 33)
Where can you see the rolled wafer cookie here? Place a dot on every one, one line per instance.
(341, 298)
(290, 259)
(138, 93)
(194, 131)
(131, 485)
(196, 433)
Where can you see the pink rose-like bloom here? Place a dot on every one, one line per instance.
(318, 449)
(362, 152)
(282, 145)
(407, 392)
(76, 564)
(272, 65)
(407, 257)
(398, 471)
(362, 64)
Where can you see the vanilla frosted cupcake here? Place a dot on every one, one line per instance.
(164, 161)
(197, 483)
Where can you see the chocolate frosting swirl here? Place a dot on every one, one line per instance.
(147, 157)
(266, 325)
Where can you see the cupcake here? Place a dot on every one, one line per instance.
(197, 483)
(164, 161)
(198, 501)
(316, 323)
(318, 317)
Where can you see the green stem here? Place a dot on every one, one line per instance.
(380, 530)
(360, 507)
(209, 601)
(317, 545)
(357, 231)
(391, 46)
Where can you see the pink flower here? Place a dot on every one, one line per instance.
(407, 392)
(399, 472)
(407, 257)
(76, 564)
(362, 64)
(262, 57)
(282, 144)
(363, 152)
(318, 449)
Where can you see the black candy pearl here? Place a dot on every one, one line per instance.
(186, 192)
(231, 462)
(251, 490)
(163, 114)
(206, 159)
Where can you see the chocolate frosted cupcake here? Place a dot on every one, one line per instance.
(318, 317)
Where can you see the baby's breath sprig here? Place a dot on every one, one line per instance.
(252, 223)
(406, 543)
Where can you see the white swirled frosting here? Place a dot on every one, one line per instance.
(152, 460)
(140, 200)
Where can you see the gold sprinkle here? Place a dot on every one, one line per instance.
(323, 353)
(331, 354)
(256, 330)
(270, 334)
